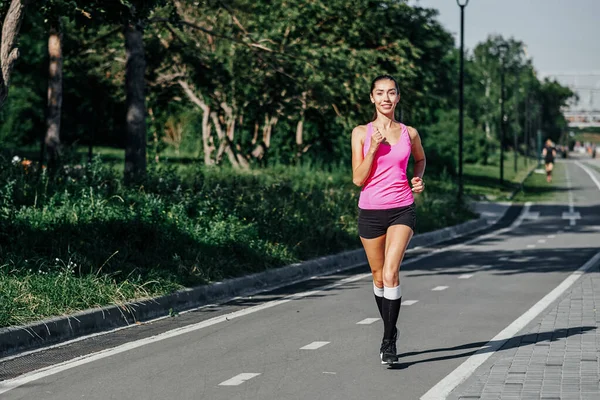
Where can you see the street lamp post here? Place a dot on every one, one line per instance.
(462, 4)
(503, 48)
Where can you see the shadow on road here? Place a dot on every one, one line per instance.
(487, 347)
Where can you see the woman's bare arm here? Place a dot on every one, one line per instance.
(361, 165)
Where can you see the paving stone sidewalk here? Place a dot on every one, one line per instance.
(555, 358)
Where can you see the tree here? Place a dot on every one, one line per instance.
(8, 50)
(55, 92)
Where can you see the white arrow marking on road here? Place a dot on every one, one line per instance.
(465, 276)
(409, 302)
(438, 288)
(368, 321)
(238, 379)
(314, 345)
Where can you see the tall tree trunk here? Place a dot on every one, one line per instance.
(8, 52)
(300, 129)
(135, 144)
(224, 143)
(207, 142)
(55, 86)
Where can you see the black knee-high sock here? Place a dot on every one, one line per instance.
(378, 292)
(390, 310)
(379, 301)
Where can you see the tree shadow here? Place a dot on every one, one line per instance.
(493, 346)
(563, 255)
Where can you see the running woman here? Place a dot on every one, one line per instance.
(549, 154)
(386, 216)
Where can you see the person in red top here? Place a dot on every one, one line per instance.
(386, 218)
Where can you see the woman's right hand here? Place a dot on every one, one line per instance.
(376, 139)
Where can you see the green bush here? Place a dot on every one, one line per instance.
(78, 238)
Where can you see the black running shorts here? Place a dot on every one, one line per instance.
(374, 223)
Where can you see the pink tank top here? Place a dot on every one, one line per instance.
(387, 185)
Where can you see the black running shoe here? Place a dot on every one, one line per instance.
(394, 338)
(388, 352)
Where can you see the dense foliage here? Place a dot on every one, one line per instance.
(257, 83)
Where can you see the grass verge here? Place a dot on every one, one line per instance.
(78, 238)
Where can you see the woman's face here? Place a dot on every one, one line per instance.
(385, 96)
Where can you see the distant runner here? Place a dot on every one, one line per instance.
(549, 154)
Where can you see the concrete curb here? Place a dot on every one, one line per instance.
(59, 329)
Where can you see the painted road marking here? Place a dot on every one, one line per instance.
(443, 388)
(551, 236)
(534, 215)
(589, 172)
(238, 379)
(572, 216)
(531, 246)
(409, 302)
(32, 376)
(314, 345)
(368, 321)
(542, 241)
(439, 288)
(465, 276)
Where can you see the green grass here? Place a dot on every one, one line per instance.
(536, 189)
(79, 238)
(483, 181)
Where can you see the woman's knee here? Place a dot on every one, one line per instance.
(390, 278)
(378, 282)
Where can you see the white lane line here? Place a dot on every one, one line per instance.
(531, 246)
(32, 376)
(465, 276)
(314, 345)
(439, 288)
(238, 379)
(368, 321)
(409, 302)
(443, 388)
(542, 241)
(330, 373)
(551, 236)
(10, 384)
(589, 172)
(572, 216)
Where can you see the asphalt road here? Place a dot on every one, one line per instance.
(321, 342)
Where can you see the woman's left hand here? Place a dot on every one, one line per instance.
(417, 184)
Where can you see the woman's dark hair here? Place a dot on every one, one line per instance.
(381, 78)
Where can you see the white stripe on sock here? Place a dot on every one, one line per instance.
(378, 291)
(392, 293)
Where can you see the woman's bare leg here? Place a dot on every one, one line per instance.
(375, 250)
(397, 239)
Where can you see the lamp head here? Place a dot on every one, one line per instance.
(462, 3)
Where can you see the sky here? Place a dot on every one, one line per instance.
(562, 36)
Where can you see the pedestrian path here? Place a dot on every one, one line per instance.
(556, 357)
